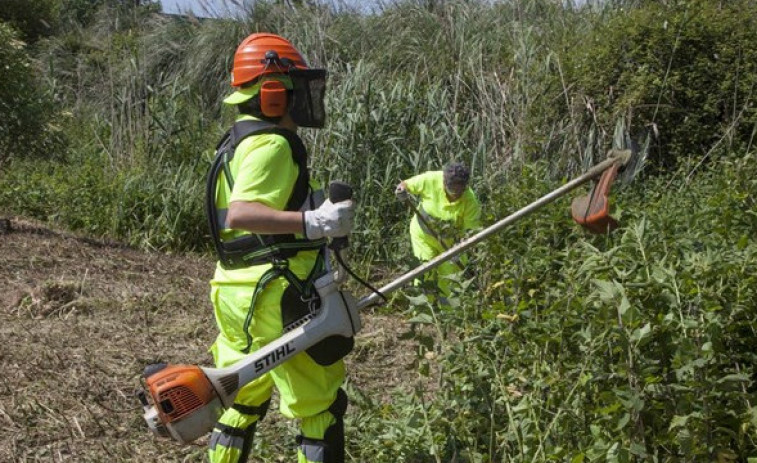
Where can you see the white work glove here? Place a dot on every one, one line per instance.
(401, 192)
(329, 220)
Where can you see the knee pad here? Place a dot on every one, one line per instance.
(230, 443)
(330, 449)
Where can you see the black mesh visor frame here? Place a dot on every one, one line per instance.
(307, 100)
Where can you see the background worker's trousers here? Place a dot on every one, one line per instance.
(425, 250)
(308, 391)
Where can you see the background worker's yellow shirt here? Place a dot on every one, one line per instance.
(463, 214)
(263, 171)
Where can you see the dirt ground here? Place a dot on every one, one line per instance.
(79, 320)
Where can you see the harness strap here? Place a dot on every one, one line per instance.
(280, 268)
(423, 219)
(259, 410)
(426, 221)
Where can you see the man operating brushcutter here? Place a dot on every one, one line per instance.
(446, 208)
(269, 223)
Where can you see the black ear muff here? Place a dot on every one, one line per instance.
(273, 98)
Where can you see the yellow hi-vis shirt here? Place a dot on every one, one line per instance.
(263, 171)
(463, 214)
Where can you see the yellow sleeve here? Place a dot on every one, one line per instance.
(266, 173)
(416, 185)
(472, 217)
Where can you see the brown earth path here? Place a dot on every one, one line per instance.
(79, 320)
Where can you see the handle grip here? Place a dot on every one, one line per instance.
(339, 191)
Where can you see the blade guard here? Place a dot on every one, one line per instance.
(592, 211)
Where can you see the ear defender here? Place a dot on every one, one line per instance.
(273, 98)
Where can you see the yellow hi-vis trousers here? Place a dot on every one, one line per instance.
(425, 248)
(308, 391)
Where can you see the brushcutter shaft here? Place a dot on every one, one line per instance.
(621, 157)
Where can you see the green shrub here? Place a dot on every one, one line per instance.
(33, 19)
(685, 70)
(26, 110)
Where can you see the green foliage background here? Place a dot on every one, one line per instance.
(565, 347)
(26, 126)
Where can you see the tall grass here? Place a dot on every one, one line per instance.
(411, 89)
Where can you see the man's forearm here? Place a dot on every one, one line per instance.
(258, 218)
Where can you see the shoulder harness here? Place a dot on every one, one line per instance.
(256, 249)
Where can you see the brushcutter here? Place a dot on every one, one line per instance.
(186, 400)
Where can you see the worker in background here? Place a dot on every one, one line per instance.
(446, 208)
(269, 223)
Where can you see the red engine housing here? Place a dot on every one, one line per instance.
(179, 390)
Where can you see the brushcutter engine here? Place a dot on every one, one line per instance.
(186, 405)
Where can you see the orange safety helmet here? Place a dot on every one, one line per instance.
(251, 62)
(293, 86)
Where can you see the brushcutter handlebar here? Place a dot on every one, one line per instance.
(339, 191)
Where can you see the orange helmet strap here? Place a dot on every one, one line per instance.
(273, 98)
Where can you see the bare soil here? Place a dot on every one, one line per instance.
(79, 320)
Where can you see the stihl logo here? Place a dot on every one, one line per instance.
(273, 357)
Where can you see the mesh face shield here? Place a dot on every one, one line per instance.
(309, 89)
